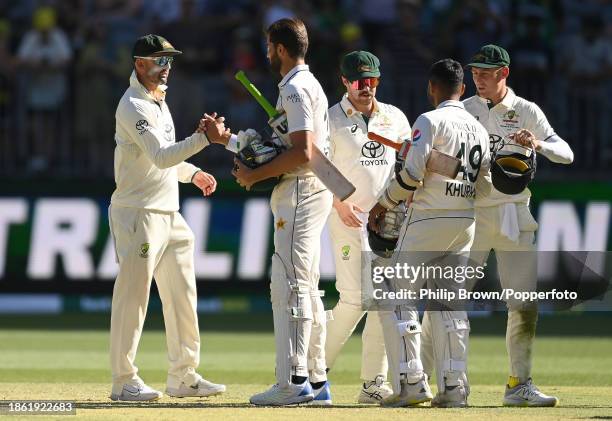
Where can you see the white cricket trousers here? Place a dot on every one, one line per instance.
(517, 267)
(300, 206)
(153, 244)
(348, 245)
(440, 233)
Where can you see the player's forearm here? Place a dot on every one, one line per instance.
(401, 188)
(171, 155)
(556, 150)
(286, 162)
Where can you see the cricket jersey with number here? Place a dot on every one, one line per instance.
(449, 129)
(302, 98)
(507, 117)
(149, 163)
(366, 163)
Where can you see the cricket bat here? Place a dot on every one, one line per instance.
(329, 175)
(384, 141)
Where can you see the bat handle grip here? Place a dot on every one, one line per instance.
(268, 108)
(383, 140)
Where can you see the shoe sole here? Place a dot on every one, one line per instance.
(118, 398)
(525, 404)
(213, 393)
(327, 402)
(401, 404)
(370, 401)
(295, 401)
(450, 405)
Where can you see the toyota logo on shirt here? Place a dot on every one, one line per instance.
(372, 149)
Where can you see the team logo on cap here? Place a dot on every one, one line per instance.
(416, 135)
(479, 57)
(364, 68)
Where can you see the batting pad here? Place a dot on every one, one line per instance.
(449, 338)
(402, 333)
(292, 313)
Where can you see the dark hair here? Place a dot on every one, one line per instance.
(447, 73)
(291, 33)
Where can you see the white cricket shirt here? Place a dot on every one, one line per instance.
(449, 129)
(302, 98)
(507, 117)
(148, 162)
(366, 163)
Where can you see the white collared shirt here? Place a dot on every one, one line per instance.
(302, 98)
(366, 163)
(507, 117)
(148, 161)
(449, 129)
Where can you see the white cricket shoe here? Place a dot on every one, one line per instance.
(451, 398)
(411, 394)
(527, 394)
(135, 392)
(322, 395)
(201, 388)
(374, 391)
(286, 395)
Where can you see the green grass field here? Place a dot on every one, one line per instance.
(65, 357)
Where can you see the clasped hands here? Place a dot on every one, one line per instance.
(216, 132)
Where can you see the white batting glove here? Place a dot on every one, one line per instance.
(246, 137)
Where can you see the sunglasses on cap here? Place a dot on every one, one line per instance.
(360, 84)
(161, 61)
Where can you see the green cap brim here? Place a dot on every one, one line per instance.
(363, 75)
(485, 65)
(167, 53)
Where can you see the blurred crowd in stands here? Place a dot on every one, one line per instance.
(64, 64)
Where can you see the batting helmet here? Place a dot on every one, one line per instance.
(260, 151)
(513, 167)
(384, 239)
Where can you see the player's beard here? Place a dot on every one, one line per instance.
(159, 75)
(275, 63)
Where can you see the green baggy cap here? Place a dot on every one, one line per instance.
(359, 65)
(490, 56)
(153, 45)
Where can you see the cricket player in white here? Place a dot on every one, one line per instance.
(368, 165)
(300, 204)
(440, 221)
(151, 237)
(504, 222)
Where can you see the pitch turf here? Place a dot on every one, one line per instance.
(65, 360)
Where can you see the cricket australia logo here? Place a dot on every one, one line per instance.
(346, 252)
(511, 114)
(144, 250)
(373, 151)
(142, 126)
